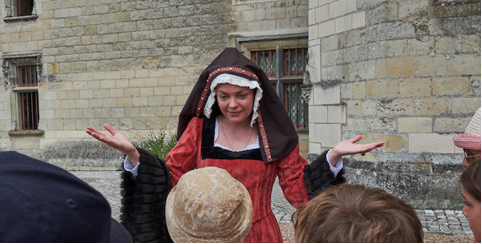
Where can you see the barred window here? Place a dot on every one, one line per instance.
(28, 100)
(286, 68)
(294, 61)
(265, 60)
(295, 105)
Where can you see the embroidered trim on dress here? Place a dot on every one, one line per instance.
(232, 69)
(264, 137)
(203, 98)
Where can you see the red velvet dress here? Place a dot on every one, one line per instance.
(256, 176)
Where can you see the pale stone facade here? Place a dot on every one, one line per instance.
(131, 64)
(405, 72)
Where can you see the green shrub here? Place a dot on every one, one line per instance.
(158, 144)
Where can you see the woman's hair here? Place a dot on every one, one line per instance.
(354, 213)
(470, 179)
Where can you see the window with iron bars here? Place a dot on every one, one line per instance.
(29, 109)
(285, 68)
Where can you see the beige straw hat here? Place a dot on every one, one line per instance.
(209, 205)
(471, 138)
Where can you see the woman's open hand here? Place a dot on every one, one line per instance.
(117, 141)
(348, 147)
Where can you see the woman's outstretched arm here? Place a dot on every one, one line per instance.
(117, 141)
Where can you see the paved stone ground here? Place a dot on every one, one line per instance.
(447, 222)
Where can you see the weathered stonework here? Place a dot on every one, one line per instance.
(128, 63)
(409, 74)
(405, 72)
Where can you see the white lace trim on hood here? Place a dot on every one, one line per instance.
(237, 81)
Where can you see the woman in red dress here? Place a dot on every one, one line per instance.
(233, 120)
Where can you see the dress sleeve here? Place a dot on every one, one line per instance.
(184, 155)
(144, 200)
(318, 176)
(290, 174)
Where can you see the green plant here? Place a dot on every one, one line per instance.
(158, 144)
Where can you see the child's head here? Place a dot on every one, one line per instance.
(354, 213)
(470, 180)
(209, 205)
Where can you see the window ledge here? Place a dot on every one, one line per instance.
(25, 133)
(20, 18)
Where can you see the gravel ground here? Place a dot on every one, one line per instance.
(289, 236)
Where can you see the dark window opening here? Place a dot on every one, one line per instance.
(24, 7)
(29, 107)
(17, 8)
(28, 100)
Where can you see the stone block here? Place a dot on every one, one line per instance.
(457, 125)
(109, 103)
(337, 114)
(432, 106)
(326, 28)
(414, 125)
(346, 91)
(450, 86)
(392, 142)
(26, 143)
(369, 107)
(315, 148)
(430, 142)
(394, 67)
(430, 66)
(342, 7)
(465, 105)
(272, 13)
(464, 64)
(322, 13)
(354, 107)
(116, 92)
(395, 106)
(448, 44)
(474, 86)
(343, 23)
(318, 114)
(329, 134)
(140, 101)
(359, 90)
(470, 43)
(415, 87)
(382, 88)
(62, 114)
(328, 95)
(358, 19)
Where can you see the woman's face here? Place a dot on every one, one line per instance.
(472, 212)
(235, 102)
(473, 156)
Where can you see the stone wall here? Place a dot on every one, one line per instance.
(131, 64)
(405, 72)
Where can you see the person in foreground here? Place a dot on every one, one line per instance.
(233, 120)
(470, 180)
(470, 140)
(40, 202)
(208, 205)
(355, 213)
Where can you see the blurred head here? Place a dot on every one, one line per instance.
(470, 140)
(470, 180)
(40, 202)
(354, 213)
(208, 205)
